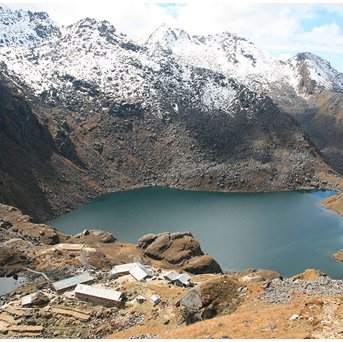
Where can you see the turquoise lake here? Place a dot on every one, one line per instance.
(287, 232)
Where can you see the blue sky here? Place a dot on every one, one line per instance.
(282, 29)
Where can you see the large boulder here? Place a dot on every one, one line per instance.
(101, 236)
(178, 250)
(256, 276)
(202, 264)
(310, 275)
(217, 296)
(94, 260)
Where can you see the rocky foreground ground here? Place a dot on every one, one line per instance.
(249, 304)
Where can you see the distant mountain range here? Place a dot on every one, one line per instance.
(85, 110)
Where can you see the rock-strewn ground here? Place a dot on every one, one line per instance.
(288, 308)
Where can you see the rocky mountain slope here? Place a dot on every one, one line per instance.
(33, 171)
(109, 114)
(321, 115)
(306, 86)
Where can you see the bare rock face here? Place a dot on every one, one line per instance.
(178, 250)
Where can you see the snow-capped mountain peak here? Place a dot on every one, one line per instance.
(166, 38)
(89, 32)
(315, 73)
(25, 28)
(224, 52)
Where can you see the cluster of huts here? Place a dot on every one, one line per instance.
(107, 297)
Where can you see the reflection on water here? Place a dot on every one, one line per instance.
(287, 232)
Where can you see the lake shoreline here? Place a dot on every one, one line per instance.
(235, 216)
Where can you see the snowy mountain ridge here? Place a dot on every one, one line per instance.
(92, 52)
(318, 70)
(25, 28)
(224, 52)
(95, 63)
(237, 57)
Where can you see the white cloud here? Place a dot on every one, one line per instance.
(324, 35)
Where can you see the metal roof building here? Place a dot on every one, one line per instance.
(123, 269)
(177, 278)
(183, 280)
(65, 284)
(140, 272)
(98, 295)
(140, 299)
(155, 299)
(136, 269)
(171, 275)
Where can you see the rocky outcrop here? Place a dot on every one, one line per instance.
(214, 297)
(7, 256)
(180, 250)
(93, 235)
(202, 264)
(15, 225)
(94, 260)
(255, 276)
(310, 275)
(339, 255)
(334, 203)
